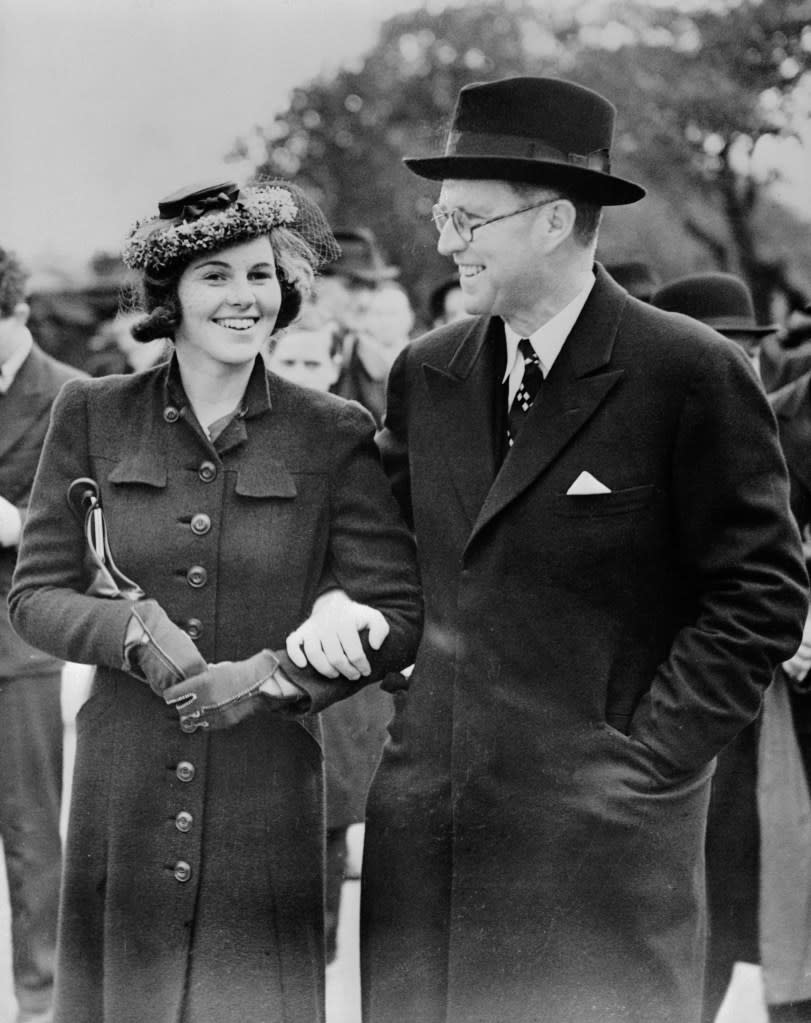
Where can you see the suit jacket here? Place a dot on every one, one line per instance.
(534, 840)
(24, 415)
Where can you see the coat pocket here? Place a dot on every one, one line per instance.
(594, 505)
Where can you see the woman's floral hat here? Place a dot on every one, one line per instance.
(200, 218)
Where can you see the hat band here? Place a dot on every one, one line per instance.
(480, 143)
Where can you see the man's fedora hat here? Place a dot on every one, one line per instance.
(720, 300)
(536, 131)
(361, 258)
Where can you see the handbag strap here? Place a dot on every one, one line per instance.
(85, 499)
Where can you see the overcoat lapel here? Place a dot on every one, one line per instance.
(462, 399)
(576, 387)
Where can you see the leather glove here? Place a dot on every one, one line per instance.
(156, 650)
(229, 691)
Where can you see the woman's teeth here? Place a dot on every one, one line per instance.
(236, 324)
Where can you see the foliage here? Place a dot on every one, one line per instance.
(700, 97)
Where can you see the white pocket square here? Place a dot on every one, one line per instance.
(587, 484)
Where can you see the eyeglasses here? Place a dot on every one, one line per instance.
(464, 226)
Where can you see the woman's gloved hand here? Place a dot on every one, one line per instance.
(156, 650)
(229, 691)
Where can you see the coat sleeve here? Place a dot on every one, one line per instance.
(742, 573)
(47, 603)
(371, 555)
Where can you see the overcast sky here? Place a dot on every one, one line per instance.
(107, 105)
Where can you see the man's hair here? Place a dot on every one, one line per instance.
(588, 213)
(12, 283)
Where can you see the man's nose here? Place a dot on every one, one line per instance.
(450, 240)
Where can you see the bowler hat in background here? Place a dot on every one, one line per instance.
(533, 130)
(720, 300)
(361, 258)
(636, 277)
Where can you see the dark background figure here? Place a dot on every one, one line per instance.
(787, 355)
(735, 879)
(637, 277)
(722, 301)
(308, 354)
(610, 574)
(30, 681)
(345, 291)
(445, 302)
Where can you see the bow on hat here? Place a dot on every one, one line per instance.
(192, 203)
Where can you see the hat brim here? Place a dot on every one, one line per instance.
(604, 189)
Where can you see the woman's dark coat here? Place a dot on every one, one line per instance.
(193, 879)
(535, 831)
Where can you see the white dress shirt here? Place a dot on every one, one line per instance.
(546, 342)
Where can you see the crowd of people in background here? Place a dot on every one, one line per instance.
(446, 939)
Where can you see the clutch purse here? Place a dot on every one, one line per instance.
(106, 579)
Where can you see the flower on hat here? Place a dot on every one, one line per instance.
(157, 242)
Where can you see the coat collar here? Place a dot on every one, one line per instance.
(577, 385)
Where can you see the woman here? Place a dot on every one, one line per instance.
(235, 500)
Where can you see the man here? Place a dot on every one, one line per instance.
(346, 291)
(30, 711)
(724, 302)
(610, 578)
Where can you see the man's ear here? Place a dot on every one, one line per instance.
(22, 311)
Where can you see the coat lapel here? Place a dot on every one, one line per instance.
(24, 402)
(462, 402)
(577, 385)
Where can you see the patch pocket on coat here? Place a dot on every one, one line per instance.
(617, 502)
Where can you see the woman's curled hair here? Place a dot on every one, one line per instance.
(295, 261)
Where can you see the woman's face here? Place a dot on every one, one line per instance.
(229, 301)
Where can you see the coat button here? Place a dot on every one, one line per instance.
(189, 725)
(185, 770)
(182, 871)
(194, 628)
(171, 414)
(196, 577)
(207, 472)
(200, 524)
(184, 821)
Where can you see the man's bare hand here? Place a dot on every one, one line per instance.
(329, 640)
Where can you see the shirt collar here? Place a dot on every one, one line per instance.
(548, 339)
(11, 367)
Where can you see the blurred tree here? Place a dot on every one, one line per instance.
(704, 99)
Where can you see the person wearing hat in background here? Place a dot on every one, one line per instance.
(361, 284)
(30, 681)
(757, 794)
(724, 302)
(610, 578)
(636, 277)
(234, 503)
(445, 302)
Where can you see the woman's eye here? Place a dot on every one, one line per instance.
(263, 275)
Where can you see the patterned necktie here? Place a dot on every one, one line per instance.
(527, 391)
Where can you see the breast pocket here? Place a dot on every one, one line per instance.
(618, 502)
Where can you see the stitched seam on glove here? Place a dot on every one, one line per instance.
(157, 650)
(244, 695)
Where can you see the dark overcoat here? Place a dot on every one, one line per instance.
(534, 838)
(193, 878)
(24, 416)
